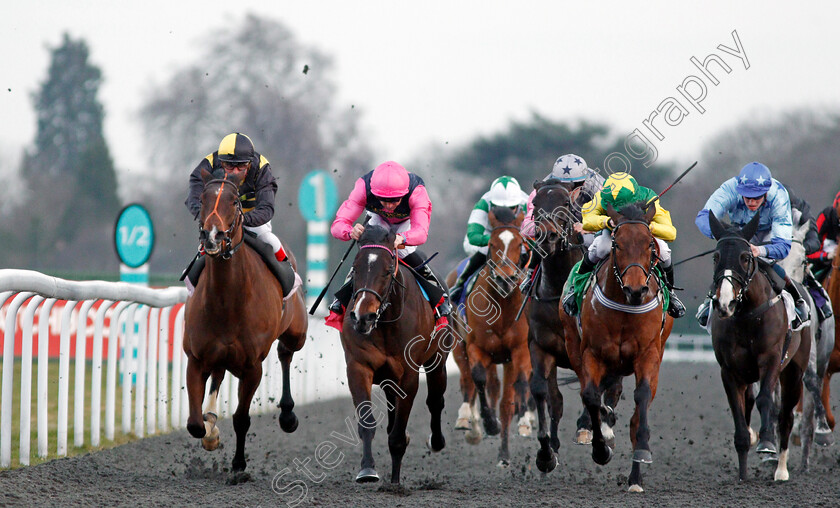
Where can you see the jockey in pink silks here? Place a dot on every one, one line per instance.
(395, 199)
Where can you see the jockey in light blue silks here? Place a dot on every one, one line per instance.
(753, 191)
(504, 191)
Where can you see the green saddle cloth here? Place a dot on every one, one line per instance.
(580, 282)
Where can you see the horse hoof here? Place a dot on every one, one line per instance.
(503, 463)
(211, 442)
(769, 457)
(546, 465)
(525, 430)
(493, 427)
(462, 424)
(824, 438)
(602, 456)
(781, 475)
(472, 438)
(367, 475)
(197, 430)
(766, 447)
(635, 488)
(238, 465)
(583, 437)
(643, 456)
(288, 422)
(435, 445)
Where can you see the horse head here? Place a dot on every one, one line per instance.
(796, 261)
(553, 218)
(734, 263)
(374, 273)
(504, 250)
(633, 246)
(221, 218)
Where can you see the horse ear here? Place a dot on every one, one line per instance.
(206, 176)
(650, 211)
(236, 178)
(749, 230)
(714, 224)
(612, 213)
(538, 184)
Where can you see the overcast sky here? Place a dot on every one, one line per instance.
(439, 72)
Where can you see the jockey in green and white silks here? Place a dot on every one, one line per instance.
(621, 189)
(504, 191)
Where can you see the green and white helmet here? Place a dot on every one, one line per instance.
(505, 191)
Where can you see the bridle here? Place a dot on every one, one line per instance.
(384, 303)
(496, 275)
(567, 231)
(228, 249)
(743, 281)
(619, 276)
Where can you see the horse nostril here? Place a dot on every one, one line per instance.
(353, 316)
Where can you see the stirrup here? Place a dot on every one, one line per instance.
(676, 309)
(703, 312)
(336, 307)
(455, 292)
(570, 304)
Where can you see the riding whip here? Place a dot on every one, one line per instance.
(694, 257)
(528, 294)
(675, 182)
(324, 291)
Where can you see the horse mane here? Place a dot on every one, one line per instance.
(634, 211)
(376, 234)
(503, 214)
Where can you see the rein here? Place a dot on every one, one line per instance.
(619, 276)
(229, 250)
(743, 281)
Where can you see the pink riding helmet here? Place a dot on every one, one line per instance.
(389, 180)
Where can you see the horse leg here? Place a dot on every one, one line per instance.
(826, 400)
(543, 364)
(791, 382)
(210, 441)
(459, 353)
(735, 395)
(397, 438)
(248, 384)
(506, 410)
(749, 404)
(287, 419)
(806, 425)
(436, 383)
(767, 408)
(360, 381)
(521, 360)
(647, 378)
(590, 394)
(196, 382)
(612, 394)
(555, 408)
(479, 369)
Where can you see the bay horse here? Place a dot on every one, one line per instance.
(387, 336)
(832, 287)
(494, 336)
(752, 343)
(810, 424)
(623, 328)
(233, 317)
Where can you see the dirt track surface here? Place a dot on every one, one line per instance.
(691, 439)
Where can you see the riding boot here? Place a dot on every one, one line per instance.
(824, 309)
(533, 263)
(703, 312)
(437, 292)
(802, 313)
(569, 301)
(339, 304)
(676, 309)
(476, 261)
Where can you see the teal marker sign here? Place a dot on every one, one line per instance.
(134, 236)
(317, 196)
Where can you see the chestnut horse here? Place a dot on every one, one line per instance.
(234, 316)
(387, 336)
(494, 335)
(832, 287)
(752, 343)
(623, 332)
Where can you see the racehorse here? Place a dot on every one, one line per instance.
(752, 343)
(560, 248)
(832, 287)
(809, 418)
(231, 320)
(623, 328)
(494, 335)
(387, 335)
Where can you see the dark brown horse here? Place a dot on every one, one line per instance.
(623, 332)
(387, 337)
(752, 343)
(832, 287)
(231, 320)
(494, 336)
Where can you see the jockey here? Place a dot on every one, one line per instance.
(621, 189)
(395, 199)
(811, 244)
(236, 155)
(569, 168)
(828, 229)
(504, 191)
(753, 191)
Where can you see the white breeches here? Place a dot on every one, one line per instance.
(402, 227)
(602, 244)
